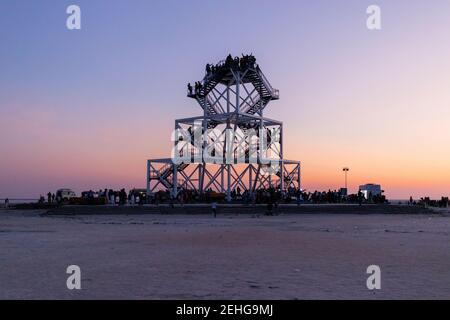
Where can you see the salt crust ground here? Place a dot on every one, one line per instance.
(316, 256)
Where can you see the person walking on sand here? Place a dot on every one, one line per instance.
(214, 208)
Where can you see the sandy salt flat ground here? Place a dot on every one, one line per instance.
(238, 257)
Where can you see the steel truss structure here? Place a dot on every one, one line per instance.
(232, 145)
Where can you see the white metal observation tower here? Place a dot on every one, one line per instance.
(232, 145)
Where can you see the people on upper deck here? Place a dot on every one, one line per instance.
(247, 61)
(228, 61)
(198, 87)
(244, 62)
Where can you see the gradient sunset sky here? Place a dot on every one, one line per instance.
(85, 109)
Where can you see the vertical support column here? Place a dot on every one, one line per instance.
(200, 177)
(204, 145)
(148, 178)
(228, 183)
(228, 98)
(238, 97)
(298, 176)
(175, 181)
(258, 176)
(222, 186)
(261, 127)
(226, 165)
(250, 173)
(282, 187)
(174, 191)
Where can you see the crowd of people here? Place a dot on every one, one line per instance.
(427, 202)
(197, 88)
(51, 198)
(270, 195)
(116, 197)
(106, 196)
(336, 196)
(217, 70)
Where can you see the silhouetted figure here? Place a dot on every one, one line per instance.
(252, 61)
(196, 87)
(105, 195)
(208, 68)
(189, 88)
(6, 203)
(53, 198)
(122, 197)
(49, 197)
(411, 200)
(299, 198)
(236, 63)
(214, 209)
(360, 197)
(229, 61)
(370, 197)
(59, 198)
(111, 196)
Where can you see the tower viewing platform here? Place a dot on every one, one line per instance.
(232, 146)
(231, 71)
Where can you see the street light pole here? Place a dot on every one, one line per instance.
(345, 172)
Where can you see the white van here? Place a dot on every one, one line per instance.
(65, 194)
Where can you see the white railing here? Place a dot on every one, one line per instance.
(274, 92)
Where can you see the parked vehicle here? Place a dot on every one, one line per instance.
(65, 194)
